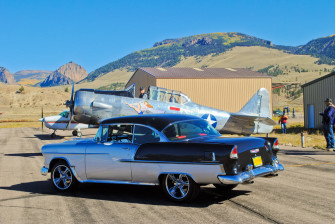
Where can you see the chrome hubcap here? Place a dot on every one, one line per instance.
(177, 185)
(62, 177)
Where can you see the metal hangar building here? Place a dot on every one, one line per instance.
(314, 93)
(222, 88)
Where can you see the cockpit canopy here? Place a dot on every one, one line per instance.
(163, 94)
(64, 114)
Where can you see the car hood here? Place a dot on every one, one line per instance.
(73, 142)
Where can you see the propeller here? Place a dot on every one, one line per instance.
(70, 104)
(42, 119)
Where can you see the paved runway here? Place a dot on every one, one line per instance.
(303, 193)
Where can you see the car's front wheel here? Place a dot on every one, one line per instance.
(180, 187)
(62, 177)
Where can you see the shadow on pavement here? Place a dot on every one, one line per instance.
(33, 154)
(305, 152)
(152, 195)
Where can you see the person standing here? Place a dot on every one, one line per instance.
(327, 124)
(283, 122)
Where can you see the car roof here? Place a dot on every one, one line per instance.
(157, 121)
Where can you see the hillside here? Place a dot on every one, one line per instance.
(170, 52)
(31, 74)
(322, 47)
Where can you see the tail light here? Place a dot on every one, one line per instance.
(276, 144)
(233, 153)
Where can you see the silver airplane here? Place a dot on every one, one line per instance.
(91, 106)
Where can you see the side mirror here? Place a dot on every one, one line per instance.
(98, 139)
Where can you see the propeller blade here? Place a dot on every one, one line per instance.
(68, 124)
(72, 92)
(42, 119)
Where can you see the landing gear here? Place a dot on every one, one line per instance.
(53, 134)
(77, 133)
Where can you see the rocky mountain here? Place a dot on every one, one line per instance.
(6, 76)
(31, 74)
(66, 74)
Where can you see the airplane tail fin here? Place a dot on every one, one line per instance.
(254, 117)
(258, 105)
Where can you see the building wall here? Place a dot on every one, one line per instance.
(315, 94)
(229, 94)
(141, 78)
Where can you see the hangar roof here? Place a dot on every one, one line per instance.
(180, 73)
(318, 79)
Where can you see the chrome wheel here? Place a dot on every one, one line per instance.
(177, 185)
(62, 177)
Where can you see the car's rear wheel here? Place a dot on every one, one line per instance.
(62, 177)
(225, 188)
(180, 187)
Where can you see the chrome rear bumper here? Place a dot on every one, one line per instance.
(44, 171)
(247, 176)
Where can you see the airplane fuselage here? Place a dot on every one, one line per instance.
(93, 106)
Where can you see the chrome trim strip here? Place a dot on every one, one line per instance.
(44, 171)
(169, 162)
(247, 176)
(116, 182)
(79, 153)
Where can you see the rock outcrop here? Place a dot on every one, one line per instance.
(56, 79)
(73, 71)
(6, 77)
(66, 74)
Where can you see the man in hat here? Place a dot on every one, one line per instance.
(143, 94)
(327, 123)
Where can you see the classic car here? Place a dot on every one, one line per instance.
(178, 152)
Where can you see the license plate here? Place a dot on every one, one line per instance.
(257, 161)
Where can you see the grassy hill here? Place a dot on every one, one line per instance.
(324, 48)
(170, 52)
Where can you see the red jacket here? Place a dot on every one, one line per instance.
(283, 119)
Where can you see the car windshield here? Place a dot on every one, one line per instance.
(189, 129)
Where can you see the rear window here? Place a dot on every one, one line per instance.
(189, 129)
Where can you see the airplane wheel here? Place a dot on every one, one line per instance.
(74, 133)
(79, 134)
(53, 135)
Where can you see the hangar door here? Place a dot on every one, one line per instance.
(311, 116)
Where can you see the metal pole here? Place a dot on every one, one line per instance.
(302, 140)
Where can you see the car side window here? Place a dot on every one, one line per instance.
(120, 133)
(145, 135)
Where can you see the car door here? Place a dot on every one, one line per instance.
(104, 156)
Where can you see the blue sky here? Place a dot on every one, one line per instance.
(46, 34)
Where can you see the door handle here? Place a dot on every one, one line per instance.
(126, 148)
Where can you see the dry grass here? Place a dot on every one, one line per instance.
(20, 124)
(313, 139)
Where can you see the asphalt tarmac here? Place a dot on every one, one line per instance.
(303, 193)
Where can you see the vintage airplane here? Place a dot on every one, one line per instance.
(64, 121)
(91, 106)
